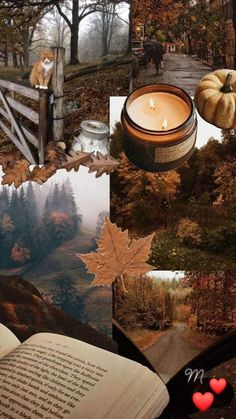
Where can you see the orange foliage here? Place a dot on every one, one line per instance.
(59, 217)
(20, 254)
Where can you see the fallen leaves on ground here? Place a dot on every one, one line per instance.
(117, 255)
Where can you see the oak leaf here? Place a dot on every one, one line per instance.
(40, 174)
(101, 164)
(74, 160)
(54, 153)
(7, 159)
(16, 175)
(117, 255)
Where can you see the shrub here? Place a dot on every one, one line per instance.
(221, 238)
(189, 232)
(168, 253)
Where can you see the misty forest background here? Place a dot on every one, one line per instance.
(40, 233)
(26, 235)
(192, 209)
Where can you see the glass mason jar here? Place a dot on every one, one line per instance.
(159, 150)
(92, 138)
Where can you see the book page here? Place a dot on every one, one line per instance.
(52, 376)
(8, 341)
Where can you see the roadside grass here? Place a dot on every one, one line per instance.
(198, 339)
(144, 338)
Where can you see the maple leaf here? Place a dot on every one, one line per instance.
(74, 160)
(43, 173)
(102, 164)
(117, 255)
(16, 175)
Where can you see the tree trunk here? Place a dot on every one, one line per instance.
(74, 33)
(129, 46)
(190, 50)
(21, 62)
(6, 58)
(14, 58)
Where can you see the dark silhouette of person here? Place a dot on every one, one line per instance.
(154, 51)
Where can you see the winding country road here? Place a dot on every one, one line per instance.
(171, 352)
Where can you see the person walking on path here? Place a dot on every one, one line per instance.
(153, 51)
(182, 70)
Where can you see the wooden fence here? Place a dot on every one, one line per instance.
(48, 118)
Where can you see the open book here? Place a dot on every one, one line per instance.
(53, 376)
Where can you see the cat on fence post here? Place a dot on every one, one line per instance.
(42, 70)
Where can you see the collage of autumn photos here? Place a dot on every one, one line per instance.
(118, 209)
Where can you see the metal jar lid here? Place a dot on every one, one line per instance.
(95, 127)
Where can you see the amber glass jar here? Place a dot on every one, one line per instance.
(158, 150)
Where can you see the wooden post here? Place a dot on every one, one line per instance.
(43, 123)
(57, 87)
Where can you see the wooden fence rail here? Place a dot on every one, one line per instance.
(48, 119)
(30, 144)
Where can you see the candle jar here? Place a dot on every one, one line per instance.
(153, 145)
(92, 138)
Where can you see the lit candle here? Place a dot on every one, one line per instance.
(159, 127)
(151, 109)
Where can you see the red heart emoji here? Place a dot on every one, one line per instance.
(218, 385)
(203, 401)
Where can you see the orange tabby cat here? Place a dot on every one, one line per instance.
(42, 70)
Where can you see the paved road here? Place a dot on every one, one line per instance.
(181, 70)
(170, 353)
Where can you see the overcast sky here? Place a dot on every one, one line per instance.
(122, 11)
(166, 274)
(205, 130)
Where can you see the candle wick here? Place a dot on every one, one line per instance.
(165, 124)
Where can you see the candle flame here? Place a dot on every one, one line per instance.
(152, 104)
(165, 124)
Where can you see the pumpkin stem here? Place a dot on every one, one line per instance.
(227, 88)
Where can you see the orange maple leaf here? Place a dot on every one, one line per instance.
(116, 255)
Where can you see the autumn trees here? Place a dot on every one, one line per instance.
(20, 21)
(18, 26)
(191, 210)
(28, 233)
(148, 303)
(195, 26)
(212, 300)
(204, 301)
(139, 197)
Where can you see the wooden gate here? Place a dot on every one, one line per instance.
(31, 144)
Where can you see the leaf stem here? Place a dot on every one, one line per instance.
(123, 284)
